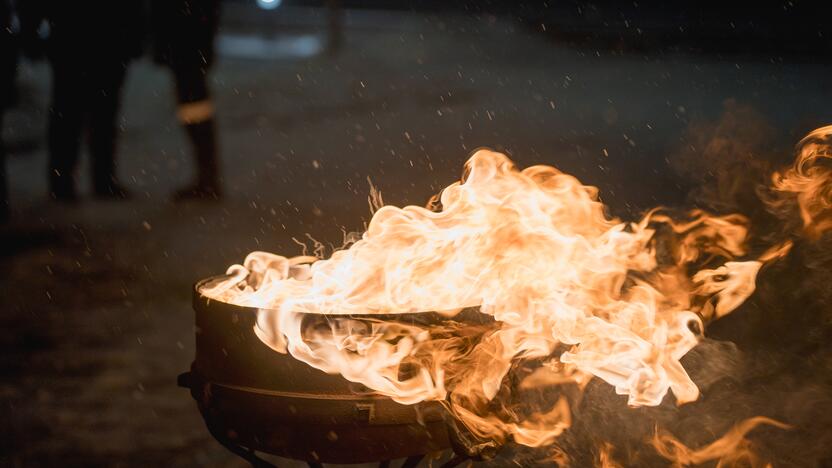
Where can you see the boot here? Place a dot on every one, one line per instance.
(111, 189)
(204, 142)
(62, 187)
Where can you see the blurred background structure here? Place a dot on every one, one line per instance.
(314, 100)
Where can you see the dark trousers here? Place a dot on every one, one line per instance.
(191, 81)
(196, 113)
(4, 186)
(84, 96)
(8, 68)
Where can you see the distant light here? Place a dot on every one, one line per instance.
(269, 4)
(276, 48)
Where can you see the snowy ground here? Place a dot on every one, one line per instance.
(95, 321)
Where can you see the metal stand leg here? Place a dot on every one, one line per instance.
(413, 461)
(197, 386)
(456, 460)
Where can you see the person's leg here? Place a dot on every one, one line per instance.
(196, 113)
(105, 100)
(8, 66)
(4, 188)
(335, 31)
(65, 123)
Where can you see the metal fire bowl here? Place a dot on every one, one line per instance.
(254, 398)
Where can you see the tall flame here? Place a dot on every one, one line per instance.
(560, 287)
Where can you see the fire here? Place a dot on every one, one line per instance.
(732, 449)
(808, 182)
(553, 283)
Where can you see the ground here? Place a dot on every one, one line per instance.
(95, 316)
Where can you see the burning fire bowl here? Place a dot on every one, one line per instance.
(253, 398)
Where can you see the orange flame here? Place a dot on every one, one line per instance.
(732, 449)
(605, 458)
(535, 253)
(809, 182)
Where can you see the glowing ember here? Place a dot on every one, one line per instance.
(563, 290)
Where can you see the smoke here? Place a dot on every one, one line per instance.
(727, 159)
(765, 371)
(770, 358)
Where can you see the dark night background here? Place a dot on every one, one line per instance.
(653, 102)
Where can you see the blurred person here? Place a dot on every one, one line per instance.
(89, 47)
(335, 29)
(184, 32)
(8, 67)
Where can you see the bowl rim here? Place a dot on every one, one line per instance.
(415, 318)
